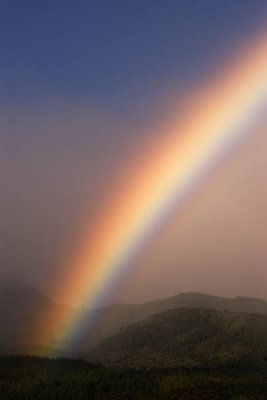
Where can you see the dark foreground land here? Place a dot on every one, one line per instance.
(37, 378)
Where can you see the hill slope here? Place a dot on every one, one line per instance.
(116, 317)
(22, 310)
(189, 338)
(26, 313)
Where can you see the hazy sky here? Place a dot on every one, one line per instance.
(81, 86)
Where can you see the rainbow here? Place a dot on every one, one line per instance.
(213, 119)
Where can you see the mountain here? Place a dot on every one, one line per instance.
(22, 318)
(189, 338)
(112, 319)
(27, 317)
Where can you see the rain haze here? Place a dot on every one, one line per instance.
(86, 90)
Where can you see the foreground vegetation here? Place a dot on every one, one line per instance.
(35, 378)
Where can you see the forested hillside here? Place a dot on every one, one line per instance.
(113, 318)
(25, 313)
(189, 338)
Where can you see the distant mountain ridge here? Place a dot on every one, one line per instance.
(23, 307)
(191, 338)
(21, 310)
(116, 317)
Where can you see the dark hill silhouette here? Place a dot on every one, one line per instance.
(21, 310)
(15, 294)
(116, 317)
(189, 338)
